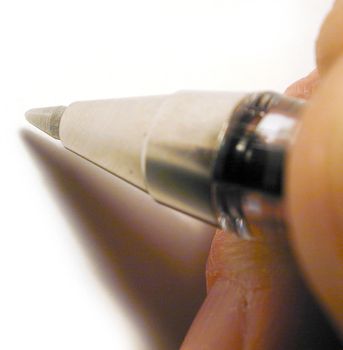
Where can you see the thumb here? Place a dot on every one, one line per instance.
(315, 193)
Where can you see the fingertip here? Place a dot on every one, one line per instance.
(214, 265)
(304, 88)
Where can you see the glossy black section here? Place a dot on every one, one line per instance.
(249, 161)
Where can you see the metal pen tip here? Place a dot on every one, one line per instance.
(46, 119)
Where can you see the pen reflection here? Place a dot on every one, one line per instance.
(150, 257)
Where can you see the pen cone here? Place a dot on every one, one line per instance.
(46, 119)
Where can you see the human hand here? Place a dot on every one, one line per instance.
(257, 298)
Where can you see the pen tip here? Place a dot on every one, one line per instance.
(46, 119)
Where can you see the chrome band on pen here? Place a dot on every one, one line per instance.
(249, 176)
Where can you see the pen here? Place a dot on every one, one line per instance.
(217, 156)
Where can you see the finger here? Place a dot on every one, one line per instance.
(238, 310)
(304, 88)
(330, 40)
(315, 193)
(256, 300)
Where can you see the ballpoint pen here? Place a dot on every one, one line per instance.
(217, 156)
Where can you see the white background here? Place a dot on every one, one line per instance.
(85, 261)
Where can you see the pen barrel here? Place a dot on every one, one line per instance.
(217, 156)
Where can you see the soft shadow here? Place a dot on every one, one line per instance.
(150, 257)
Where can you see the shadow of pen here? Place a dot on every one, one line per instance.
(149, 256)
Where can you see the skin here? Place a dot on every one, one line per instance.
(272, 293)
